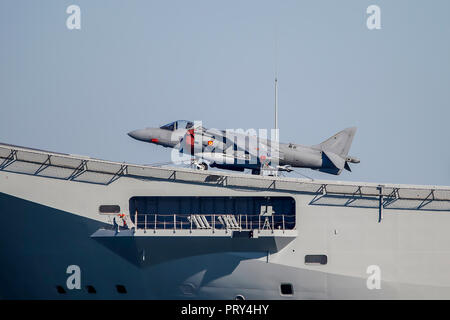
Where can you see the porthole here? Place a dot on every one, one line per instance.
(60, 290)
(91, 289)
(286, 289)
(121, 288)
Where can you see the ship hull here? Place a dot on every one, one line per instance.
(48, 225)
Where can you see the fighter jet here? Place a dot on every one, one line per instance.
(238, 151)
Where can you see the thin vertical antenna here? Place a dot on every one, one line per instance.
(276, 109)
(275, 33)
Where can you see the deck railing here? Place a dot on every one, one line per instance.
(238, 222)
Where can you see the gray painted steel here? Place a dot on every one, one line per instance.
(50, 205)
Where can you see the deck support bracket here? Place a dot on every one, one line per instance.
(78, 171)
(9, 160)
(123, 169)
(44, 166)
(430, 198)
(381, 204)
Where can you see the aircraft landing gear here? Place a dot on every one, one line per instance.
(200, 165)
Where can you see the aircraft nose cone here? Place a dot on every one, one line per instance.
(139, 134)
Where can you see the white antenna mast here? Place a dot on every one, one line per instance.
(276, 109)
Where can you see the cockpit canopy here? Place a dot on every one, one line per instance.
(179, 124)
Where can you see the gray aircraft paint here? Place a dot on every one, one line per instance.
(330, 156)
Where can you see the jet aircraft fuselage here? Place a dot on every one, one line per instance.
(330, 156)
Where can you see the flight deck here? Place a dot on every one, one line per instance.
(74, 168)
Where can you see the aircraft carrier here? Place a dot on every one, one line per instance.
(212, 235)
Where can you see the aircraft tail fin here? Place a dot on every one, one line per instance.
(339, 143)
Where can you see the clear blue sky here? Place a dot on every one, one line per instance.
(137, 64)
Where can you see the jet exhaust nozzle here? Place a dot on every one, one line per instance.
(353, 160)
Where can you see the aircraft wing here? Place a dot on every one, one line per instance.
(202, 141)
(245, 144)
